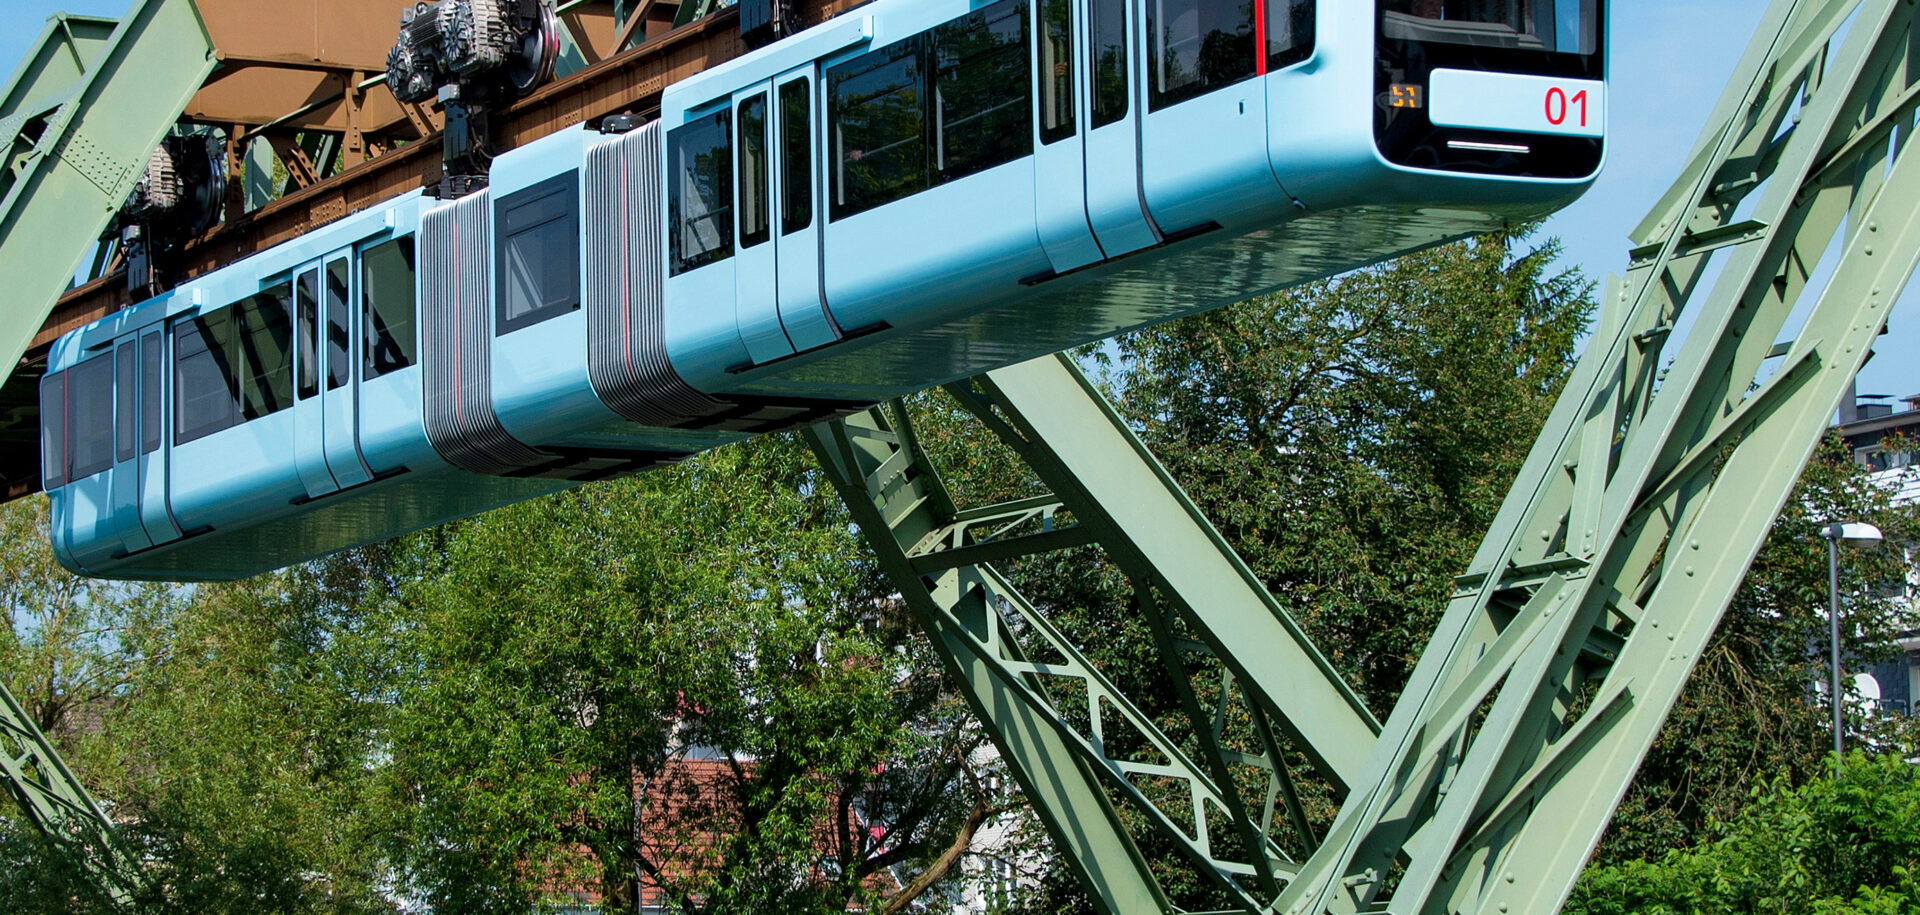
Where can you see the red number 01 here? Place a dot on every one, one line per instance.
(1558, 103)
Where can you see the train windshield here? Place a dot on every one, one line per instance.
(1561, 26)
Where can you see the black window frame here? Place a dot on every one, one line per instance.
(228, 337)
(1214, 68)
(96, 433)
(152, 370)
(796, 153)
(562, 228)
(384, 350)
(1053, 89)
(923, 66)
(1108, 44)
(53, 430)
(336, 282)
(306, 291)
(1005, 121)
(753, 170)
(126, 387)
(680, 144)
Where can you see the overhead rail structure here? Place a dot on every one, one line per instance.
(313, 134)
(1568, 640)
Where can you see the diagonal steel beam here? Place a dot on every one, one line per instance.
(1225, 801)
(121, 86)
(1650, 492)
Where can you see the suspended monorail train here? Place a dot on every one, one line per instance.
(910, 193)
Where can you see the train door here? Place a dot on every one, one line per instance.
(756, 265)
(797, 196)
(1060, 160)
(326, 427)
(155, 386)
(124, 481)
(1115, 205)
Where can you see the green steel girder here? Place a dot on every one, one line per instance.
(78, 122)
(1070, 736)
(1566, 642)
(1648, 493)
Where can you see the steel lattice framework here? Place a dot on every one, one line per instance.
(1586, 607)
(1565, 644)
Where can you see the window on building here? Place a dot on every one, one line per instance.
(700, 192)
(539, 252)
(387, 306)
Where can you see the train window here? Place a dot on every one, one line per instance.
(1566, 26)
(149, 393)
(754, 219)
(124, 410)
(539, 252)
(232, 365)
(700, 192)
(203, 383)
(339, 334)
(983, 84)
(878, 129)
(387, 306)
(1055, 65)
(264, 338)
(90, 416)
(796, 156)
(1289, 32)
(1107, 36)
(307, 316)
(1197, 46)
(53, 430)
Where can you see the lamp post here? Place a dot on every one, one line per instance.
(1859, 532)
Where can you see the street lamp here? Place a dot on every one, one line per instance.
(1859, 532)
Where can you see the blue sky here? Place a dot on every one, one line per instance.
(1670, 59)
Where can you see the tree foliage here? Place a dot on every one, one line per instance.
(1846, 843)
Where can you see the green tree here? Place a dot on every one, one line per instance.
(1748, 713)
(691, 679)
(1847, 843)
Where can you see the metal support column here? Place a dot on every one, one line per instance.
(1653, 485)
(1222, 796)
(55, 802)
(1605, 573)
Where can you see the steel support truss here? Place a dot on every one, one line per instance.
(1585, 610)
(58, 805)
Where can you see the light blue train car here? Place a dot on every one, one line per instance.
(911, 193)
